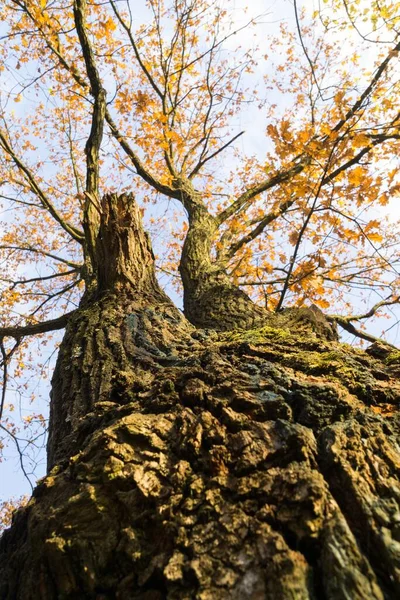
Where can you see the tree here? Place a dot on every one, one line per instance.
(238, 450)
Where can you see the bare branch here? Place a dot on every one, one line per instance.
(244, 199)
(75, 233)
(215, 45)
(350, 328)
(6, 356)
(147, 73)
(282, 208)
(18, 332)
(50, 297)
(201, 163)
(305, 49)
(303, 229)
(39, 251)
(20, 453)
(365, 235)
(34, 279)
(370, 313)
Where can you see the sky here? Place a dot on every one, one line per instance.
(12, 481)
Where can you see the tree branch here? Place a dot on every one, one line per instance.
(18, 332)
(146, 72)
(257, 189)
(370, 313)
(305, 49)
(5, 359)
(75, 233)
(33, 279)
(141, 170)
(353, 161)
(359, 103)
(56, 49)
(201, 163)
(303, 229)
(93, 143)
(20, 453)
(38, 251)
(282, 208)
(304, 160)
(350, 328)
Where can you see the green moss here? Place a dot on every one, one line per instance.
(118, 474)
(394, 357)
(168, 386)
(318, 363)
(259, 335)
(324, 361)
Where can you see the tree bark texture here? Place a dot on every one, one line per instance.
(210, 299)
(192, 463)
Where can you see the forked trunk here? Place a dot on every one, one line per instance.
(249, 465)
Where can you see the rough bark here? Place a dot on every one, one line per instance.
(210, 299)
(191, 463)
(123, 316)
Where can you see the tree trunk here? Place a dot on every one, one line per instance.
(210, 300)
(189, 463)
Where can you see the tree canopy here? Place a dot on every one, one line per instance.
(95, 101)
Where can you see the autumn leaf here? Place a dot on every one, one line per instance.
(356, 175)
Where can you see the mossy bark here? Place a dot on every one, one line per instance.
(191, 463)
